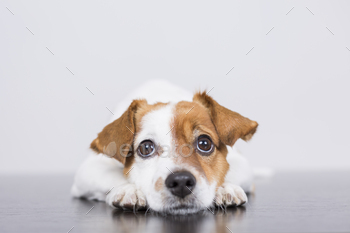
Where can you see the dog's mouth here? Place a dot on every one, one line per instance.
(183, 210)
(179, 207)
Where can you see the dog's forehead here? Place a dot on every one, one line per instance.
(159, 120)
(166, 122)
(154, 123)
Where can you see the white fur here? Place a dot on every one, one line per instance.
(153, 91)
(99, 174)
(96, 176)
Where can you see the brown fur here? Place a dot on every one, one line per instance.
(205, 116)
(229, 125)
(189, 124)
(122, 131)
(159, 184)
(141, 112)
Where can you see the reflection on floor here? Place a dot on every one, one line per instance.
(202, 222)
(287, 202)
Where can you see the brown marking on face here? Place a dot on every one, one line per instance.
(205, 116)
(121, 132)
(141, 112)
(145, 110)
(188, 126)
(159, 184)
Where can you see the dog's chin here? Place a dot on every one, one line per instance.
(182, 209)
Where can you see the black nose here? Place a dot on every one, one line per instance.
(180, 183)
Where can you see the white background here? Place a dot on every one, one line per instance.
(294, 82)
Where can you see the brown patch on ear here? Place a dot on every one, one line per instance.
(116, 139)
(229, 125)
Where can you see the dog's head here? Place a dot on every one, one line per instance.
(175, 153)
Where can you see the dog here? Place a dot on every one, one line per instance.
(173, 157)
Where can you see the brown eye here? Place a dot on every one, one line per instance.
(204, 144)
(146, 148)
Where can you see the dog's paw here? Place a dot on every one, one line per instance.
(127, 196)
(230, 195)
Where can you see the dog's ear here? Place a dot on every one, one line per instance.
(116, 139)
(229, 125)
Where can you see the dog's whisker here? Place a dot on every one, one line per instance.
(134, 209)
(147, 211)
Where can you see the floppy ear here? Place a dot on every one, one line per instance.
(229, 125)
(116, 139)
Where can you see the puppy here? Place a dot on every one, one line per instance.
(174, 156)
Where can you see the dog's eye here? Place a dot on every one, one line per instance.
(204, 144)
(146, 148)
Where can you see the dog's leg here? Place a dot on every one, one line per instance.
(238, 180)
(230, 195)
(101, 178)
(96, 176)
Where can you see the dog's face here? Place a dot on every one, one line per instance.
(175, 153)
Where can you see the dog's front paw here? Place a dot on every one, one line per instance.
(230, 195)
(127, 197)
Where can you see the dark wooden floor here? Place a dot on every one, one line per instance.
(288, 202)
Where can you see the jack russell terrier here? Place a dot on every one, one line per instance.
(173, 156)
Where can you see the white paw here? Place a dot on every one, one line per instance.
(126, 196)
(230, 195)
